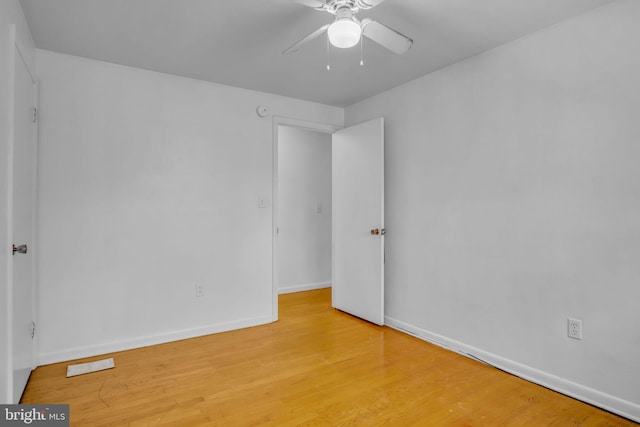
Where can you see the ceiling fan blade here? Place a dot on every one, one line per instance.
(368, 4)
(385, 36)
(317, 4)
(306, 40)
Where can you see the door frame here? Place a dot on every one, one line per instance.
(300, 124)
(17, 48)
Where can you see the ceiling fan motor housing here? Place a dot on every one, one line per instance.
(344, 13)
(335, 6)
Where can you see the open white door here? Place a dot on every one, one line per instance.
(358, 220)
(23, 218)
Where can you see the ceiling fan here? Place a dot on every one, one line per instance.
(346, 30)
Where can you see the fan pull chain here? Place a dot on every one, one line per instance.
(361, 50)
(328, 55)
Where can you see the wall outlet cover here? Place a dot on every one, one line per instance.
(574, 328)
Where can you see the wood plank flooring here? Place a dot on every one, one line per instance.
(315, 367)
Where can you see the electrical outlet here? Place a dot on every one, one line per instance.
(574, 328)
(199, 291)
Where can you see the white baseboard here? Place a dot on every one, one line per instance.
(96, 350)
(591, 396)
(303, 287)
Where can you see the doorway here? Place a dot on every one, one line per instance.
(304, 209)
(302, 206)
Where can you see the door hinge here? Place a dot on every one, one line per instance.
(33, 329)
(35, 115)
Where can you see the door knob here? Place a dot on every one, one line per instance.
(378, 231)
(22, 249)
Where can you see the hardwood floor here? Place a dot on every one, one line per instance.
(315, 367)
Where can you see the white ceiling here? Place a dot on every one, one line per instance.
(238, 42)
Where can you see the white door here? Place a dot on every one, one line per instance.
(358, 220)
(24, 155)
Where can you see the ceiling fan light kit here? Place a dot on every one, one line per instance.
(346, 30)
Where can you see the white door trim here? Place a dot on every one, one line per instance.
(302, 124)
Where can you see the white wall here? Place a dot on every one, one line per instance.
(149, 186)
(304, 181)
(513, 202)
(10, 14)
